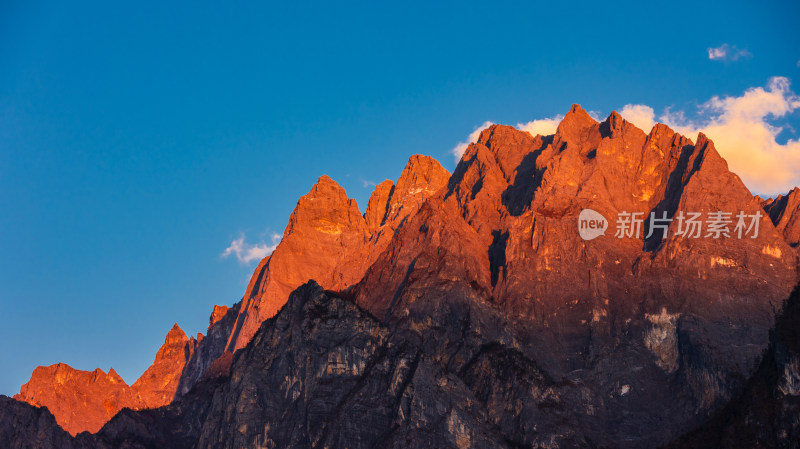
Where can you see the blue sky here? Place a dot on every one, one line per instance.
(138, 141)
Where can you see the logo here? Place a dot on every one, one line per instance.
(690, 225)
(591, 224)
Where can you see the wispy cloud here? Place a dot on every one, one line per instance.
(246, 253)
(367, 184)
(461, 147)
(544, 126)
(727, 52)
(742, 133)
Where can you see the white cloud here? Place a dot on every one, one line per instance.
(743, 135)
(715, 54)
(461, 147)
(246, 253)
(727, 52)
(544, 126)
(640, 115)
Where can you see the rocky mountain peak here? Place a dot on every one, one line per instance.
(175, 335)
(80, 400)
(509, 146)
(217, 314)
(660, 131)
(85, 400)
(174, 344)
(114, 376)
(325, 208)
(422, 177)
(575, 124)
(515, 239)
(327, 189)
(325, 231)
(616, 125)
(158, 385)
(709, 154)
(378, 204)
(784, 211)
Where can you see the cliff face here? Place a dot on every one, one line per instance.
(469, 312)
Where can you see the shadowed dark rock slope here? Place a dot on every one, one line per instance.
(767, 413)
(321, 373)
(476, 290)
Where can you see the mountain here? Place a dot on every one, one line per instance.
(82, 400)
(158, 384)
(85, 400)
(327, 239)
(496, 257)
(465, 310)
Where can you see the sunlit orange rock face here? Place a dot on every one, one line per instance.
(328, 240)
(217, 314)
(80, 400)
(508, 220)
(158, 384)
(85, 400)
